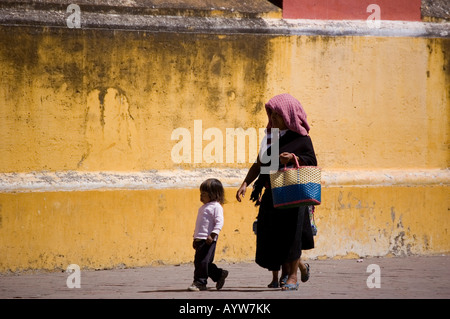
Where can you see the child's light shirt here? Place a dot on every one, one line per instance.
(209, 220)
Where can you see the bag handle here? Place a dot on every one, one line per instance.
(297, 165)
(296, 161)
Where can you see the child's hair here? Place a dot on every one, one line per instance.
(215, 190)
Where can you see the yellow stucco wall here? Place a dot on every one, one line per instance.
(108, 101)
(103, 229)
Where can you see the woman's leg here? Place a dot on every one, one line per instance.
(274, 283)
(284, 270)
(302, 267)
(284, 274)
(304, 270)
(292, 271)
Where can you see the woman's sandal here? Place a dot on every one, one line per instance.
(283, 280)
(305, 278)
(287, 287)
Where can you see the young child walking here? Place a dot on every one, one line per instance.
(207, 228)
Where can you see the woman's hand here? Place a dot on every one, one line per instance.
(241, 191)
(286, 157)
(252, 174)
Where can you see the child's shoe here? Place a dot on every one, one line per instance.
(221, 280)
(196, 287)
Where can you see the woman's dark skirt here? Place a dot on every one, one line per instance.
(282, 234)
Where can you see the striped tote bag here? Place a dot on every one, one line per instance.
(297, 186)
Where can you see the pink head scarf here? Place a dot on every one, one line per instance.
(291, 110)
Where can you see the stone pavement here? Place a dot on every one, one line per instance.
(400, 277)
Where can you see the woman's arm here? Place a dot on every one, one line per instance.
(252, 174)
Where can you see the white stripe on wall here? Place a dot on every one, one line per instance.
(163, 179)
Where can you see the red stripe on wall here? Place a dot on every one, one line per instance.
(405, 10)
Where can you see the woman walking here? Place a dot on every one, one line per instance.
(282, 234)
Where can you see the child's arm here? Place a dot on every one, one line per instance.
(218, 219)
(211, 238)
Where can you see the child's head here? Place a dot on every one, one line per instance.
(212, 190)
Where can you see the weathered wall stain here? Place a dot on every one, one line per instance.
(168, 79)
(110, 130)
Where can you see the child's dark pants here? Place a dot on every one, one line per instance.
(203, 262)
